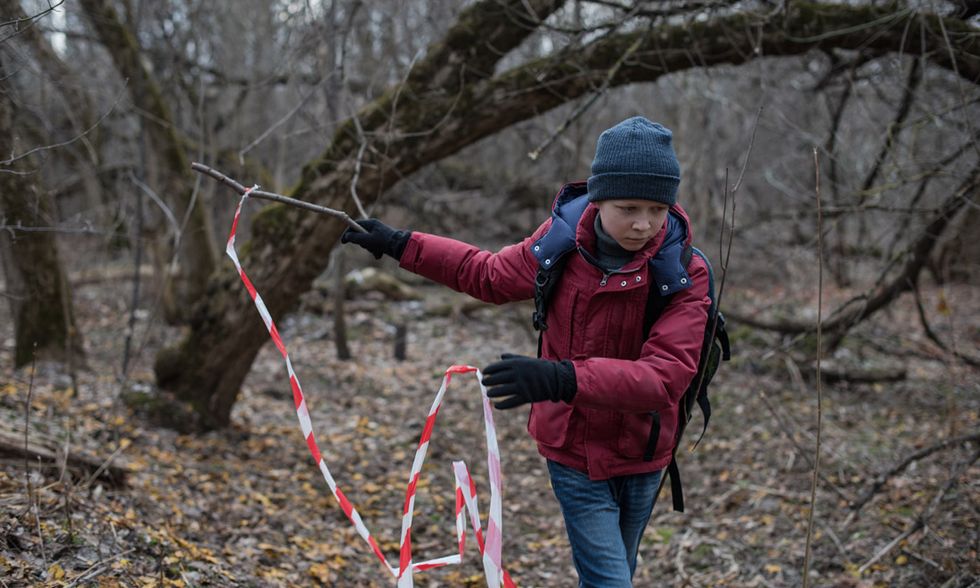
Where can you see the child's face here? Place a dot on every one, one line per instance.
(632, 222)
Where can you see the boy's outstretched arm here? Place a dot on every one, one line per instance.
(505, 276)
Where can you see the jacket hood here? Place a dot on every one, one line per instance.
(572, 221)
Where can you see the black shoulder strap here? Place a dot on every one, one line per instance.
(545, 282)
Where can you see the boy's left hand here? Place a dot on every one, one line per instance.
(519, 380)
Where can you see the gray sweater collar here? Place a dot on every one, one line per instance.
(609, 254)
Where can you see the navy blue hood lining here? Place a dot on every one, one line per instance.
(666, 267)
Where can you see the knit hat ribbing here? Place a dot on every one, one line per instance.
(635, 159)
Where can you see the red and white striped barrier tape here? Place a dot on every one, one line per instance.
(465, 488)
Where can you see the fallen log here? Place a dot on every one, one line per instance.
(861, 374)
(48, 452)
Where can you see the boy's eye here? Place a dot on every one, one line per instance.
(627, 209)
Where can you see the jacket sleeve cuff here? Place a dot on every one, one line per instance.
(567, 384)
(397, 243)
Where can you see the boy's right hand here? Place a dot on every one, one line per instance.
(380, 239)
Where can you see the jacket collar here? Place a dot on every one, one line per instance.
(573, 225)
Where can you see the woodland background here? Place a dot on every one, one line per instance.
(147, 433)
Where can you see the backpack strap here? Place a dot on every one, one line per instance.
(552, 248)
(676, 491)
(544, 286)
(656, 305)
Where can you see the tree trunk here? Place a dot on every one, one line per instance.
(37, 290)
(452, 99)
(167, 170)
(79, 114)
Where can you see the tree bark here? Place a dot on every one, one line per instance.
(452, 99)
(37, 291)
(168, 166)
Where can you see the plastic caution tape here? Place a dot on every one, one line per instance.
(466, 500)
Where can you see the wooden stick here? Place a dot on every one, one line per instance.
(208, 171)
(816, 451)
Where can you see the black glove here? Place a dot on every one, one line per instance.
(380, 239)
(525, 379)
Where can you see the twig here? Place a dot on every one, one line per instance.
(745, 164)
(31, 498)
(27, 422)
(816, 453)
(16, 22)
(160, 203)
(610, 75)
(276, 125)
(201, 168)
(103, 467)
(900, 467)
(723, 254)
(922, 519)
(727, 254)
(15, 158)
(96, 569)
(357, 166)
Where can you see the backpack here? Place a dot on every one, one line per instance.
(551, 252)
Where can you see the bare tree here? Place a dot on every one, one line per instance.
(167, 170)
(37, 291)
(455, 96)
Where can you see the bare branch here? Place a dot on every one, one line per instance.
(922, 519)
(849, 314)
(25, 19)
(585, 105)
(899, 467)
(276, 197)
(63, 143)
(274, 126)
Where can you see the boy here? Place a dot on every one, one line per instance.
(601, 385)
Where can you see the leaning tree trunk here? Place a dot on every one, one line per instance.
(452, 99)
(37, 290)
(167, 168)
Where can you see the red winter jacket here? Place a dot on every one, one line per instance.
(622, 375)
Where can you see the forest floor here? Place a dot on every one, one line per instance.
(247, 506)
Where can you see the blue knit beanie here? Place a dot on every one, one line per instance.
(635, 159)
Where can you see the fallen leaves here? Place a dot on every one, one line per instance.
(247, 506)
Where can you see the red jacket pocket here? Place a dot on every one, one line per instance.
(548, 423)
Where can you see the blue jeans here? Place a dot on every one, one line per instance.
(605, 520)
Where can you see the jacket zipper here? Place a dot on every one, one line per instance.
(605, 274)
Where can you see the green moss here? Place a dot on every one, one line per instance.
(272, 224)
(162, 409)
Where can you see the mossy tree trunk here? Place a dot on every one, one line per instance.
(453, 98)
(167, 170)
(36, 289)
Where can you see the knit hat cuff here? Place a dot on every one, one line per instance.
(610, 185)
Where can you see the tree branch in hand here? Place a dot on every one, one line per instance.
(208, 171)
